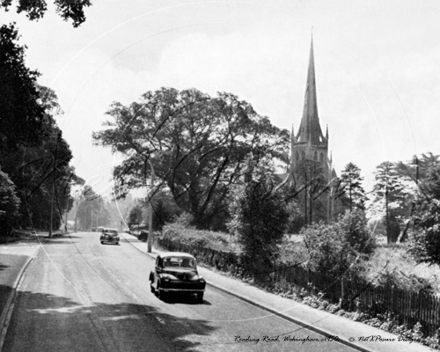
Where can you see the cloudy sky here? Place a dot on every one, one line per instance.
(377, 68)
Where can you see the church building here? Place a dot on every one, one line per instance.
(309, 143)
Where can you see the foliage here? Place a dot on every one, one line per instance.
(394, 265)
(259, 218)
(197, 238)
(161, 215)
(350, 189)
(356, 233)
(393, 198)
(9, 204)
(135, 215)
(426, 242)
(328, 249)
(93, 210)
(296, 219)
(417, 168)
(42, 172)
(197, 144)
(21, 115)
(35, 9)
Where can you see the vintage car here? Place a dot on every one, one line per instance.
(109, 236)
(176, 272)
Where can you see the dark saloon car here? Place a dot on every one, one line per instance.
(109, 236)
(176, 272)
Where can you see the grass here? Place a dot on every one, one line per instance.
(394, 264)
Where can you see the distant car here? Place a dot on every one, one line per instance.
(109, 236)
(176, 272)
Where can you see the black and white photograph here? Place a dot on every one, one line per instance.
(219, 175)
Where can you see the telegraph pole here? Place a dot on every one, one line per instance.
(150, 215)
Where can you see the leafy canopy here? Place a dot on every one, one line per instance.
(21, 115)
(259, 219)
(197, 145)
(35, 9)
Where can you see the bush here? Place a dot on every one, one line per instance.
(193, 237)
(258, 220)
(329, 251)
(355, 227)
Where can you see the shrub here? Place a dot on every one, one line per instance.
(197, 238)
(355, 227)
(258, 220)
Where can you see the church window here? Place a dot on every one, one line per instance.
(315, 156)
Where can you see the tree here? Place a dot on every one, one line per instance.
(259, 219)
(328, 250)
(196, 143)
(35, 9)
(350, 189)
(9, 204)
(426, 241)
(92, 210)
(335, 248)
(21, 116)
(135, 215)
(161, 215)
(389, 193)
(356, 233)
(42, 173)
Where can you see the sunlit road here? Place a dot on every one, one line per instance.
(79, 295)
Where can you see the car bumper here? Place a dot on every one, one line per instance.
(109, 241)
(183, 290)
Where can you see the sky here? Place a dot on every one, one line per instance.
(377, 67)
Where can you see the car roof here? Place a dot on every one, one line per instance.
(109, 229)
(176, 254)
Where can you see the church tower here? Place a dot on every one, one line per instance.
(310, 143)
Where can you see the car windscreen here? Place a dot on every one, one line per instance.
(182, 262)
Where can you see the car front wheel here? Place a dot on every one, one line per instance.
(162, 295)
(200, 297)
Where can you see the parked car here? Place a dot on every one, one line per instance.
(109, 236)
(176, 273)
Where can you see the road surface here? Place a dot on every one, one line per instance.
(79, 295)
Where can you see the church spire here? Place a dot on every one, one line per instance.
(310, 130)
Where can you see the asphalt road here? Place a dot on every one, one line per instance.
(79, 295)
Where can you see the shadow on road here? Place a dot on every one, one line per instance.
(49, 322)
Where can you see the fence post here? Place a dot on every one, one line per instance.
(342, 291)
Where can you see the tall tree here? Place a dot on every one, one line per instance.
(259, 217)
(21, 116)
(196, 143)
(42, 173)
(426, 242)
(350, 186)
(390, 198)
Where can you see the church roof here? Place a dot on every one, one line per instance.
(310, 130)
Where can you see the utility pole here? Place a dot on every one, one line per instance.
(53, 185)
(150, 215)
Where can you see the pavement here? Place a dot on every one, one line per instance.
(14, 258)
